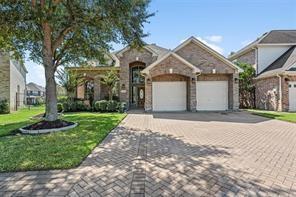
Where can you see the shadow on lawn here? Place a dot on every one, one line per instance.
(143, 162)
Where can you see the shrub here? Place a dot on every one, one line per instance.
(109, 106)
(62, 99)
(75, 106)
(4, 107)
(60, 107)
(101, 105)
(112, 106)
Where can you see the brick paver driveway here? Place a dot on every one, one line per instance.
(177, 154)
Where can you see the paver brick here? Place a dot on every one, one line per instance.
(176, 154)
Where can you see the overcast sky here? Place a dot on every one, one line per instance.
(224, 25)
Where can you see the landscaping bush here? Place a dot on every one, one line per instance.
(101, 106)
(62, 99)
(60, 107)
(121, 107)
(75, 106)
(4, 107)
(109, 106)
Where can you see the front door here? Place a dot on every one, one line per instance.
(137, 86)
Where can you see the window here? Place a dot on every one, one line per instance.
(136, 75)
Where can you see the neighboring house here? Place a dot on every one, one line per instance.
(191, 77)
(35, 94)
(273, 55)
(12, 81)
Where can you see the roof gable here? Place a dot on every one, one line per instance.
(171, 54)
(209, 50)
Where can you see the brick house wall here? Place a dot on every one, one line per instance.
(249, 57)
(161, 73)
(5, 77)
(128, 57)
(202, 59)
(285, 91)
(266, 91)
(206, 62)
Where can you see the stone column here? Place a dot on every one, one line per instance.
(97, 88)
(148, 93)
(192, 93)
(235, 90)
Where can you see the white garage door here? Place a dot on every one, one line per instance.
(212, 95)
(169, 96)
(292, 96)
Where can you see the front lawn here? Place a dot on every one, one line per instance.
(17, 119)
(57, 150)
(285, 116)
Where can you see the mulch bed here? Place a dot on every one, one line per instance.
(49, 125)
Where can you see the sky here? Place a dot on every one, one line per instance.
(224, 25)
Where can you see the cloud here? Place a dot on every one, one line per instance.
(35, 73)
(215, 38)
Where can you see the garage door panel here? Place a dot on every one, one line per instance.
(169, 96)
(212, 95)
(292, 96)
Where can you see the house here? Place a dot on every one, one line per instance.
(191, 77)
(12, 81)
(35, 94)
(273, 56)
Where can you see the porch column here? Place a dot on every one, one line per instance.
(192, 93)
(235, 90)
(97, 88)
(148, 93)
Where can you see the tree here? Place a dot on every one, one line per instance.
(69, 80)
(69, 32)
(110, 79)
(246, 86)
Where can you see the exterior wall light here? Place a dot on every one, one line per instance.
(236, 80)
(123, 86)
(171, 71)
(214, 70)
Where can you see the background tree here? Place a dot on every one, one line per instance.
(110, 79)
(68, 32)
(69, 80)
(246, 86)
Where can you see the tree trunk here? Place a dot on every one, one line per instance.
(51, 96)
(50, 91)
(110, 94)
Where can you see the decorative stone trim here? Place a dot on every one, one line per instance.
(44, 131)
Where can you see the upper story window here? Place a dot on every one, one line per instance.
(136, 76)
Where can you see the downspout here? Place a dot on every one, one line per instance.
(280, 93)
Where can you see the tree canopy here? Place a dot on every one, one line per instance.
(69, 32)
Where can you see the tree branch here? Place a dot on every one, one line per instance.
(61, 37)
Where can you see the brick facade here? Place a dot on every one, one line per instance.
(100, 90)
(249, 57)
(204, 60)
(126, 59)
(5, 77)
(268, 90)
(267, 96)
(181, 72)
(285, 91)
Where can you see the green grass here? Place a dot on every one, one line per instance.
(15, 120)
(285, 116)
(58, 150)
